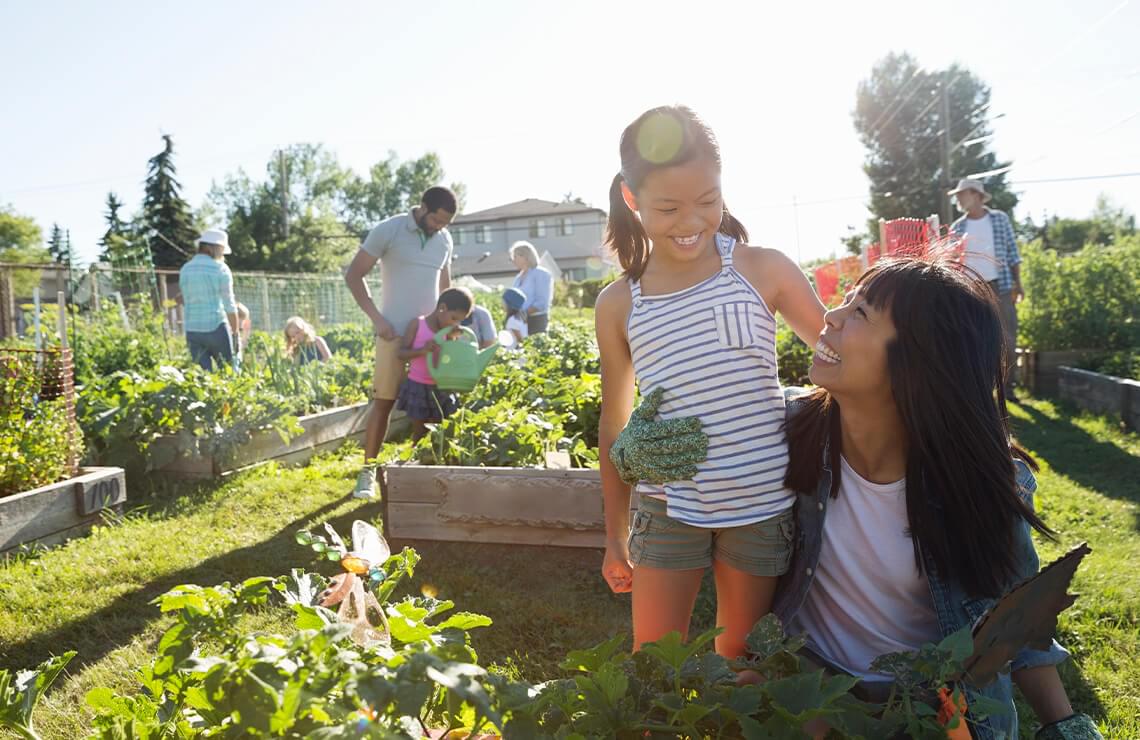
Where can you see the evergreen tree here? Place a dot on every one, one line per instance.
(116, 227)
(169, 226)
(58, 248)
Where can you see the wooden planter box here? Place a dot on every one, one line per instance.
(323, 431)
(54, 513)
(1039, 371)
(1102, 394)
(518, 506)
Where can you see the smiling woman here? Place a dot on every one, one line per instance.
(915, 508)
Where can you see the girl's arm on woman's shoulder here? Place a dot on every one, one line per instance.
(785, 288)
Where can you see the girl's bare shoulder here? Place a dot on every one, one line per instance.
(615, 299)
(763, 262)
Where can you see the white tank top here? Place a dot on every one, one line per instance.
(712, 347)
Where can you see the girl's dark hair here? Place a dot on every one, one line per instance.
(661, 137)
(947, 376)
(456, 299)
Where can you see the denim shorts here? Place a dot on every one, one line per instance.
(656, 540)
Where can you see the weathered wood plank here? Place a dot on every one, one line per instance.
(324, 430)
(411, 521)
(427, 483)
(55, 512)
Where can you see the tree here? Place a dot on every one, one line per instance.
(168, 225)
(898, 116)
(854, 241)
(59, 249)
(1107, 224)
(21, 242)
(392, 188)
(329, 207)
(117, 229)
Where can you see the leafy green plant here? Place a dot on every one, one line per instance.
(1086, 300)
(1123, 364)
(210, 677)
(34, 428)
(793, 356)
(19, 693)
(125, 412)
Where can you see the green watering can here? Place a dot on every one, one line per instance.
(461, 362)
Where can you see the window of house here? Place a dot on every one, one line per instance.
(483, 234)
(565, 226)
(574, 273)
(460, 236)
(537, 228)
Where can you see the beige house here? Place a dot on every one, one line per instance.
(570, 233)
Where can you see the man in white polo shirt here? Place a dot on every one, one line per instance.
(414, 250)
(991, 252)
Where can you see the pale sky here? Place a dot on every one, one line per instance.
(527, 99)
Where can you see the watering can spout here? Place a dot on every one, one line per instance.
(484, 357)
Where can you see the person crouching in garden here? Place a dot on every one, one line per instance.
(302, 343)
(514, 304)
(418, 396)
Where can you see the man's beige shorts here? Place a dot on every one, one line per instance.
(390, 369)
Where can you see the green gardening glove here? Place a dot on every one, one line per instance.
(1073, 727)
(656, 450)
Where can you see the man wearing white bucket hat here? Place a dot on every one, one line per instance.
(209, 308)
(991, 252)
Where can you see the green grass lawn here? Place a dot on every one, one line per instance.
(93, 594)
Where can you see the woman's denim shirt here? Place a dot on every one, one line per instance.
(953, 607)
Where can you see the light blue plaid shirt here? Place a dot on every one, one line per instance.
(207, 293)
(1005, 246)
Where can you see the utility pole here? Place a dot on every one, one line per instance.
(284, 192)
(945, 184)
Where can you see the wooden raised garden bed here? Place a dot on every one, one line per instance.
(1039, 371)
(57, 512)
(518, 506)
(1102, 394)
(323, 431)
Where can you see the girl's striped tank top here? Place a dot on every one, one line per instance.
(712, 347)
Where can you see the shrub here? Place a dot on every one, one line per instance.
(793, 356)
(1123, 364)
(34, 439)
(1087, 300)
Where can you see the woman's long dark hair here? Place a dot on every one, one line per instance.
(661, 137)
(947, 374)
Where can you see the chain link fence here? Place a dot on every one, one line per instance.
(271, 298)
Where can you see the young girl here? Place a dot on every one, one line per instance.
(302, 342)
(418, 397)
(694, 316)
(513, 302)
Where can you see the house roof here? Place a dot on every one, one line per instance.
(527, 208)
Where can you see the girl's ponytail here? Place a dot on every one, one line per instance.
(729, 226)
(625, 234)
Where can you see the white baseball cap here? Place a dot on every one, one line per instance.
(217, 237)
